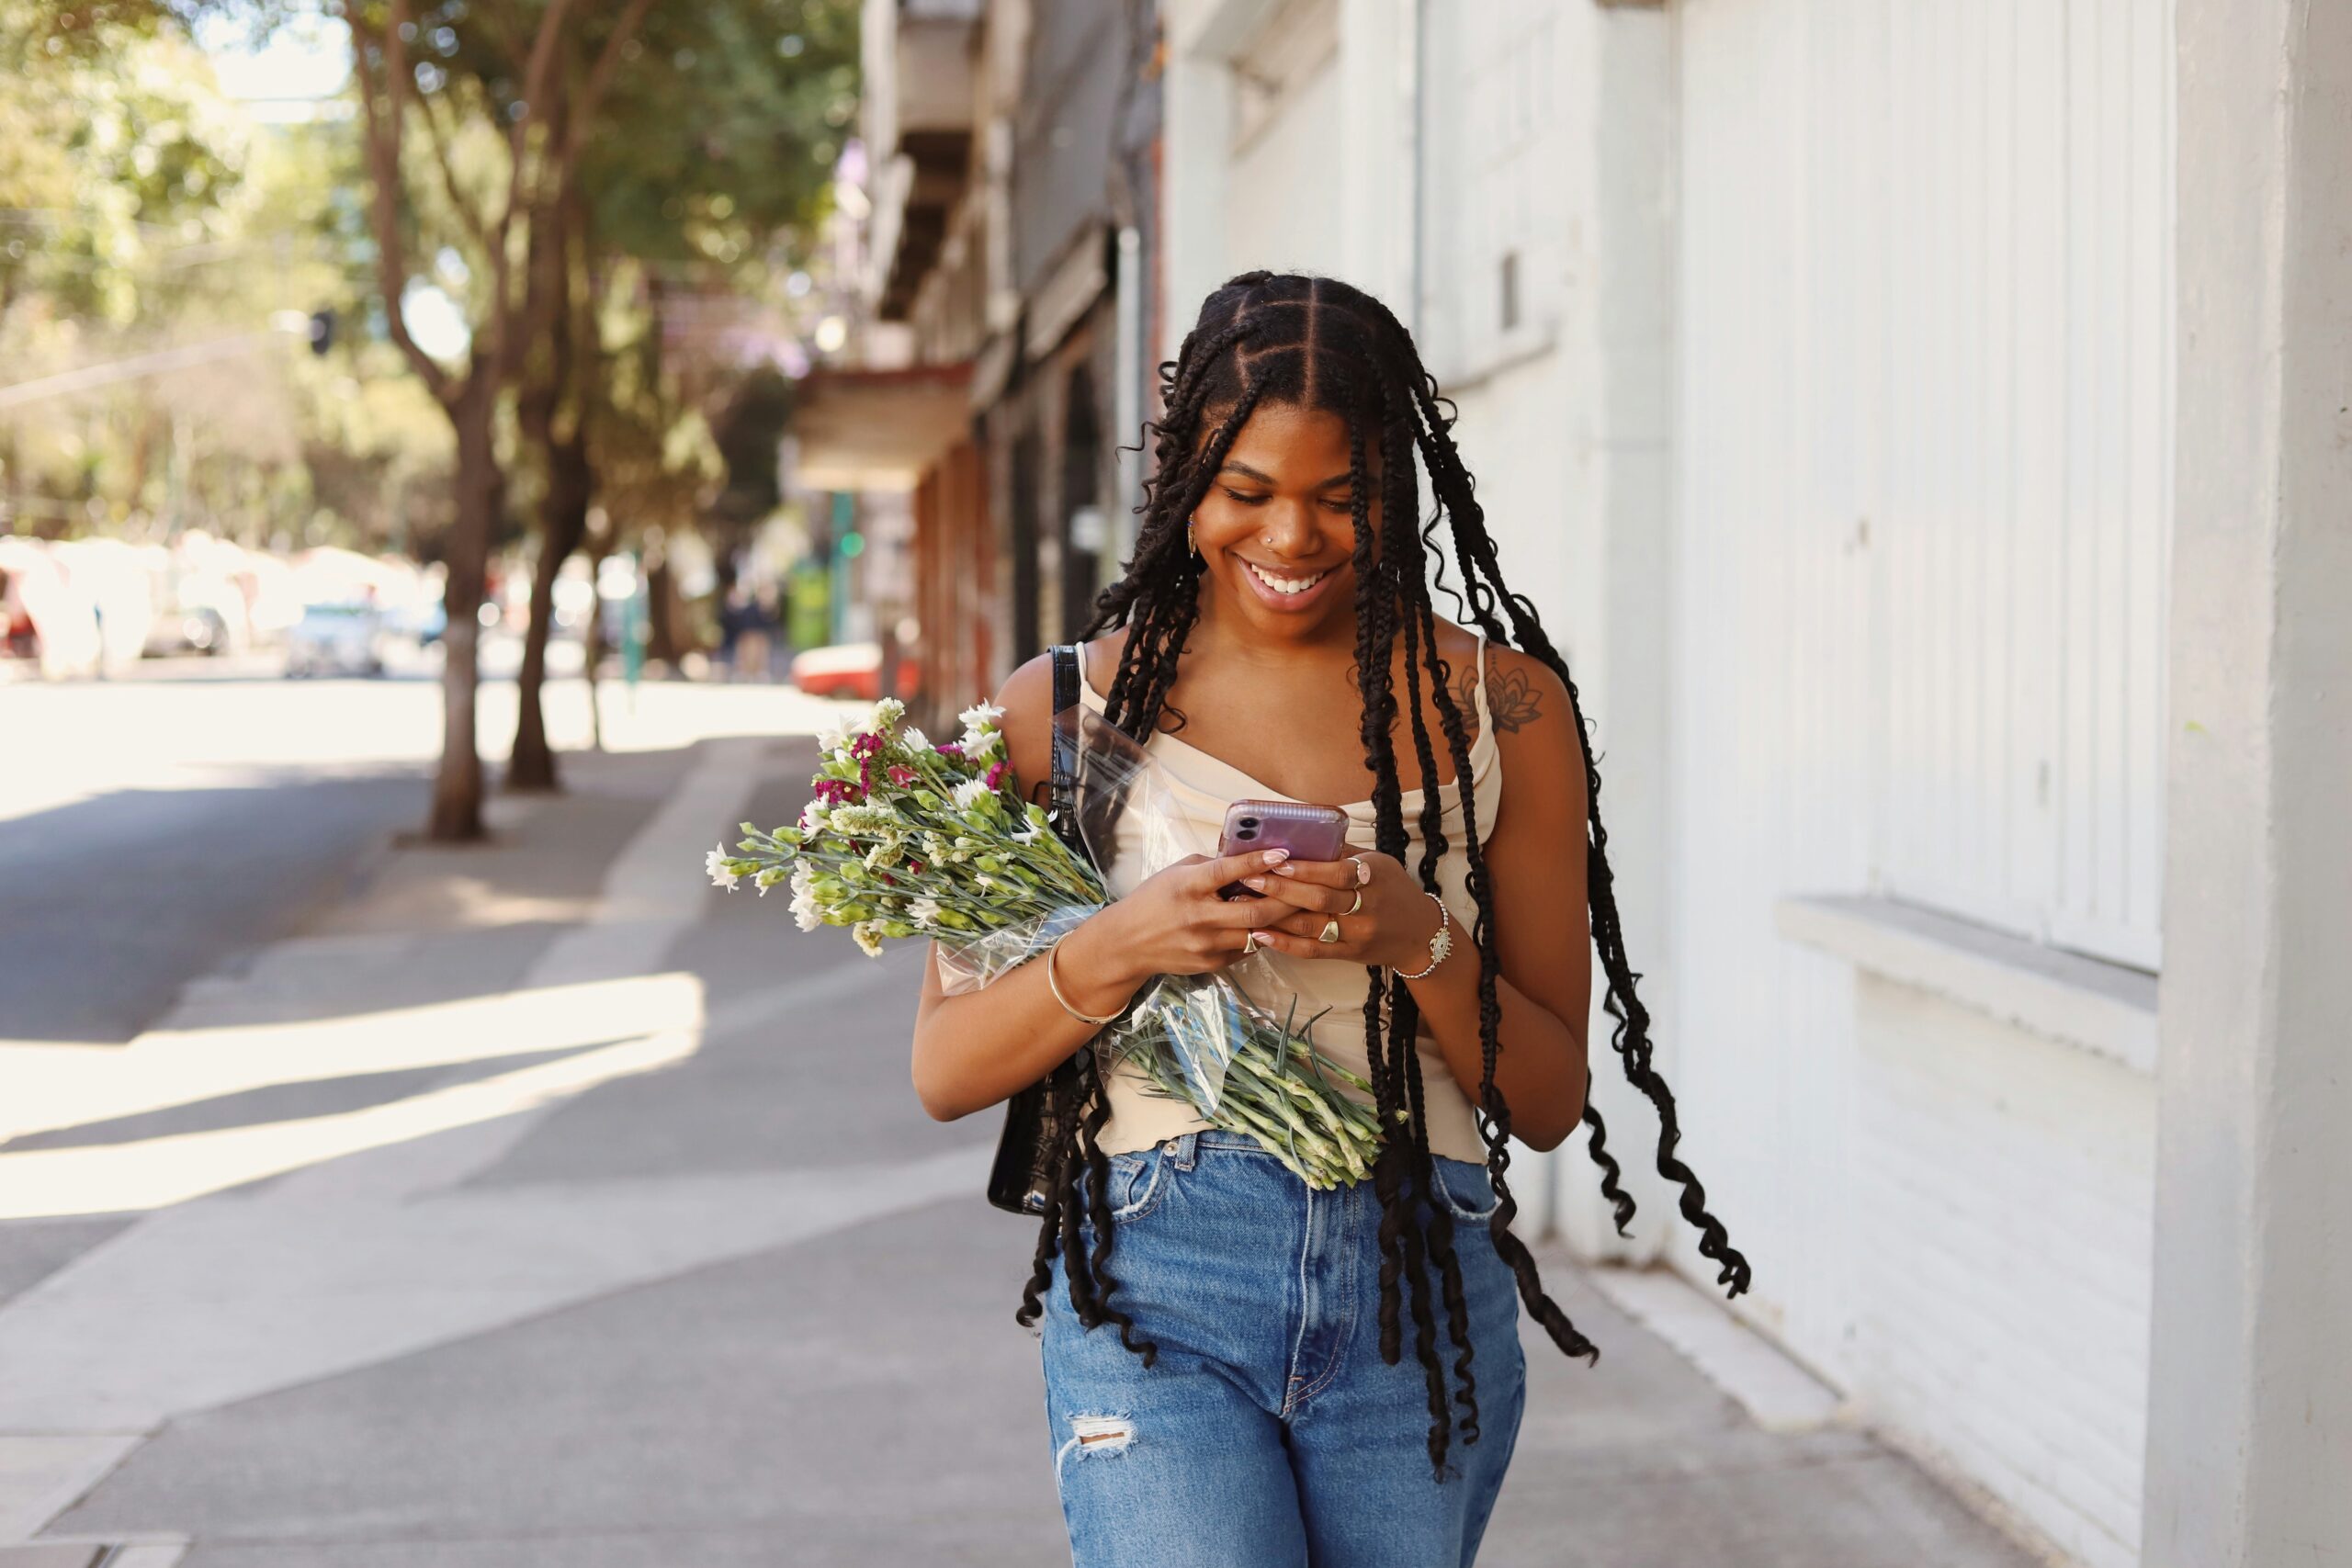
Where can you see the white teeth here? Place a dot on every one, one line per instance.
(1286, 584)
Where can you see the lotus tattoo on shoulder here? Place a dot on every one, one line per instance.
(1512, 700)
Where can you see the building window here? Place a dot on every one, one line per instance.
(1281, 58)
(1491, 193)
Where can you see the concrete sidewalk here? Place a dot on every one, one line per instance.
(544, 1206)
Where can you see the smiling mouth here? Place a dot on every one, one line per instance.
(1286, 586)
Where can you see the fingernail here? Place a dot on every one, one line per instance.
(1276, 857)
(1257, 882)
(1285, 871)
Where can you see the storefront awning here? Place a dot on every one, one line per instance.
(879, 429)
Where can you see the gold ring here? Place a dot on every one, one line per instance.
(1330, 930)
(1357, 905)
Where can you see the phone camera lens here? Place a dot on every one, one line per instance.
(1249, 821)
(1247, 833)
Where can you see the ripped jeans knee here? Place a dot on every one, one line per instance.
(1095, 1435)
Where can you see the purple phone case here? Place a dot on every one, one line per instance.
(1308, 833)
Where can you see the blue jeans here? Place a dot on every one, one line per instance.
(1270, 1433)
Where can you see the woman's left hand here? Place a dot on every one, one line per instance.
(1391, 927)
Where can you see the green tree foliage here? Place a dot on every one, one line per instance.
(117, 157)
(140, 212)
(710, 193)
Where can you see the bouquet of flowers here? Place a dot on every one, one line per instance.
(905, 838)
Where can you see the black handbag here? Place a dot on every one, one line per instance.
(1022, 1176)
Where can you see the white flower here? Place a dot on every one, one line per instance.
(925, 911)
(867, 938)
(885, 717)
(832, 738)
(812, 816)
(914, 740)
(980, 745)
(721, 873)
(981, 715)
(970, 793)
(805, 911)
(1027, 835)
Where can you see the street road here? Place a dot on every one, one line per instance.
(150, 828)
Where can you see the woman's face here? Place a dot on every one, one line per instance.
(1276, 529)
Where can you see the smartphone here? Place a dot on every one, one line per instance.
(1308, 833)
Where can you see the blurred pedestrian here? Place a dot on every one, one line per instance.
(733, 616)
(755, 639)
(1238, 1368)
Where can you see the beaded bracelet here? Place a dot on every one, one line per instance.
(1441, 942)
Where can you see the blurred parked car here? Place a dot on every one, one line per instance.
(336, 639)
(852, 669)
(424, 622)
(200, 629)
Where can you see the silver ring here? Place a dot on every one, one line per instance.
(1357, 905)
(1250, 943)
(1364, 872)
(1330, 930)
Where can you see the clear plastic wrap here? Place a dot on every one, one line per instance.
(1194, 1023)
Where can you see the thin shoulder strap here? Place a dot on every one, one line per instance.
(1478, 696)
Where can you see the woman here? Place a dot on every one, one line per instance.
(1274, 636)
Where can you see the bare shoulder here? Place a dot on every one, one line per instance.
(1523, 691)
(1103, 656)
(1027, 699)
(1535, 729)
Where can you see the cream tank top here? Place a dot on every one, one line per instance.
(1202, 787)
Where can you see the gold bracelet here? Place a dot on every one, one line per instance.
(1055, 986)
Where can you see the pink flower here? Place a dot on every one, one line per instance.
(949, 749)
(996, 774)
(902, 775)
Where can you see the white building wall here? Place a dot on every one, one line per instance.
(1282, 207)
(1924, 380)
(2001, 1227)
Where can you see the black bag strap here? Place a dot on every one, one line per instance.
(1063, 788)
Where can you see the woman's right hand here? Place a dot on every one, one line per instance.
(1173, 923)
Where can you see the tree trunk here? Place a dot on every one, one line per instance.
(558, 309)
(593, 643)
(563, 519)
(457, 787)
